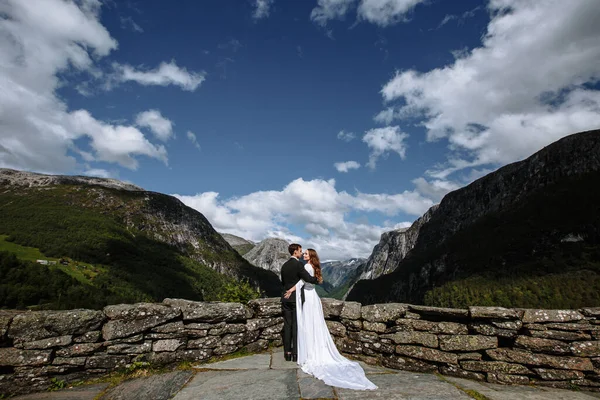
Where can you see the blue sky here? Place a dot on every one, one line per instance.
(247, 110)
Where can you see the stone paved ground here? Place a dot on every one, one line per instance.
(268, 376)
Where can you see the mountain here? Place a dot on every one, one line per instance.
(241, 245)
(338, 276)
(393, 247)
(117, 241)
(526, 235)
(270, 254)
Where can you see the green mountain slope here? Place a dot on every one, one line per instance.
(145, 245)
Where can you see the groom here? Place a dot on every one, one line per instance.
(291, 272)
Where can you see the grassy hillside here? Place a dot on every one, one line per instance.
(107, 231)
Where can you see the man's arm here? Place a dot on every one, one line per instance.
(305, 276)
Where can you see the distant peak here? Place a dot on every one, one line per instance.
(33, 179)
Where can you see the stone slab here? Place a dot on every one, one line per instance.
(511, 392)
(155, 387)
(313, 388)
(405, 385)
(87, 392)
(278, 361)
(248, 384)
(257, 361)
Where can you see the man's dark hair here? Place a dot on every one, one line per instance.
(293, 247)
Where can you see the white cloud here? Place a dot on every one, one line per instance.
(437, 188)
(346, 136)
(386, 12)
(346, 166)
(38, 40)
(383, 140)
(379, 12)
(314, 205)
(528, 84)
(129, 23)
(262, 9)
(98, 173)
(114, 143)
(166, 74)
(192, 137)
(159, 125)
(330, 9)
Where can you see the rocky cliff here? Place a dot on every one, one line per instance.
(270, 254)
(506, 227)
(107, 222)
(393, 247)
(241, 245)
(337, 273)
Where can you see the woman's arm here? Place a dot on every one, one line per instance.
(289, 292)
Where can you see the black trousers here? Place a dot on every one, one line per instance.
(290, 330)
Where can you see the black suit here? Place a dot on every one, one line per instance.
(291, 272)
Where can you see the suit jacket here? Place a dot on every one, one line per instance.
(291, 272)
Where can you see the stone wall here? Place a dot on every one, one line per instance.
(559, 348)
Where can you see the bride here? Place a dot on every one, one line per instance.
(317, 354)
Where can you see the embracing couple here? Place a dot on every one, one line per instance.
(306, 338)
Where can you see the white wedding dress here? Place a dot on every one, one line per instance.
(317, 354)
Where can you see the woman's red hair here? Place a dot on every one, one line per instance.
(313, 259)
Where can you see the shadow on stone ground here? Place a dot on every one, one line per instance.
(268, 376)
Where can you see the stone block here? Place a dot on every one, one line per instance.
(59, 341)
(495, 366)
(558, 374)
(379, 348)
(107, 361)
(270, 307)
(540, 316)
(444, 327)
(125, 348)
(352, 324)
(261, 323)
(540, 345)
(374, 326)
(351, 310)
(364, 336)
(77, 361)
(211, 311)
(222, 350)
(593, 312)
(449, 313)
(130, 319)
(542, 360)
(79, 349)
(332, 308)
(168, 345)
(179, 356)
(37, 325)
(383, 312)
(424, 353)
(467, 342)
(12, 357)
(560, 335)
(209, 342)
(336, 328)
(453, 370)
(407, 364)
(422, 338)
(507, 379)
(489, 330)
(477, 312)
(88, 337)
(586, 349)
